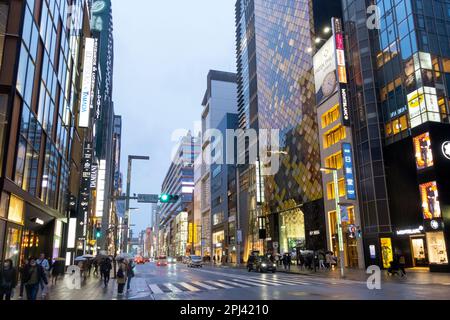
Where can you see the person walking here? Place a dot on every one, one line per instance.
(289, 261)
(22, 276)
(285, 261)
(95, 268)
(321, 260)
(34, 274)
(8, 280)
(130, 273)
(121, 278)
(43, 262)
(105, 270)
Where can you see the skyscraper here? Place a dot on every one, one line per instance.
(276, 91)
(41, 141)
(400, 86)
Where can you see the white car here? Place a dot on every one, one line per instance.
(171, 260)
(195, 261)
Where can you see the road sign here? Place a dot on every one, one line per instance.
(148, 198)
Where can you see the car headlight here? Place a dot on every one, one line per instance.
(264, 265)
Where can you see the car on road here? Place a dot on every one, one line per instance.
(162, 261)
(139, 260)
(261, 264)
(195, 262)
(171, 260)
(184, 259)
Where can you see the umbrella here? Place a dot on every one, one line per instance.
(80, 258)
(60, 259)
(88, 256)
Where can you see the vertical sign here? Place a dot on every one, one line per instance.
(341, 69)
(85, 193)
(86, 89)
(348, 171)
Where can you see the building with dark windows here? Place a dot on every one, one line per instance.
(41, 142)
(399, 86)
(179, 180)
(276, 91)
(224, 199)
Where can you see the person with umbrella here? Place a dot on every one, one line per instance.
(121, 277)
(105, 270)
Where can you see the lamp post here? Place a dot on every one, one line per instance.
(338, 215)
(127, 200)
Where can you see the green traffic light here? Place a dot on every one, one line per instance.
(164, 197)
(98, 235)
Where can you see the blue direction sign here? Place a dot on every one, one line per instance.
(348, 171)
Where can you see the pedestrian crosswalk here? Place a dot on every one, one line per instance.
(234, 282)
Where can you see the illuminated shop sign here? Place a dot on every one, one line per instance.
(348, 171)
(446, 149)
(86, 90)
(325, 72)
(386, 252)
(423, 106)
(430, 201)
(423, 151)
(101, 189)
(259, 184)
(341, 69)
(418, 230)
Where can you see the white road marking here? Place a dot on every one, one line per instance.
(219, 284)
(172, 288)
(235, 283)
(188, 286)
(155, 289)
(198, 283)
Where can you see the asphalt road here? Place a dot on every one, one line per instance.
(178, 282)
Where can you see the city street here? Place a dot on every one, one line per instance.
(178, 282)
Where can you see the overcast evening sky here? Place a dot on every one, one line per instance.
(163, 52)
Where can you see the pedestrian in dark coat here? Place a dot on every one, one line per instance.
(34, 274)
(8, 280)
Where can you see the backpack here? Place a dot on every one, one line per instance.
(120, 273)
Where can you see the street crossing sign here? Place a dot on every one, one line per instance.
(148, 198)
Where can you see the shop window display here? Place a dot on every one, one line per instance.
(292, 230)
(436, 248)
(423, 151)
(16, 210)
(430, 201)
(12, 249)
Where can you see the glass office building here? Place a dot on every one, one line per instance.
(39, 75)
(400, 76)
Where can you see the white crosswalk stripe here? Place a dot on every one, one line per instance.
(172, 288)
(218, 284)
(257, 284)
(155, 289)
(203, 285)
(235, 283)
(188, 286)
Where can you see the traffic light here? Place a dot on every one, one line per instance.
(98, 231)
(168, 198)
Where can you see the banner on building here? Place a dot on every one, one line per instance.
(86, 88)
(348, 171)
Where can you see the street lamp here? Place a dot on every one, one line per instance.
(127, 200)
(338, 215)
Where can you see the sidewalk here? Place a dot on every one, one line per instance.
(414, 276)
(91, 289)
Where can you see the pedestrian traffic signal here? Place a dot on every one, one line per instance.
(98, 233)
(168, 198)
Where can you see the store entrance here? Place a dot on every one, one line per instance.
(419, 252)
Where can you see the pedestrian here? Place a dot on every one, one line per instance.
(8, 280)
(22, 276)
(95, 268)
(321, 260)
(214, 259)
(285, 261)
(55, 272)
(130, 273)
(105, 270)
(121, 278)
(43, 262)
(34, 274)
(289, 261)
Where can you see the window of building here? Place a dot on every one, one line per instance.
(330, 189)
(218, 218)
(397, 126)
(12, 248)
(334, 136)
(334, 161)
(330, 116)
(16, 210)
(4, 205)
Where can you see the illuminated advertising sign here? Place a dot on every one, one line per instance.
(341, 69)
(325, 72)
(86, 90)
(430, 201)
(386, 252)
(348, 171)
(423, 106)
(72, 233)
(423, 151)
(446, 149)
(101, 183)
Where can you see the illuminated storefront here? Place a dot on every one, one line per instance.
(292, 231)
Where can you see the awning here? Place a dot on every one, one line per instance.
(36, 219)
